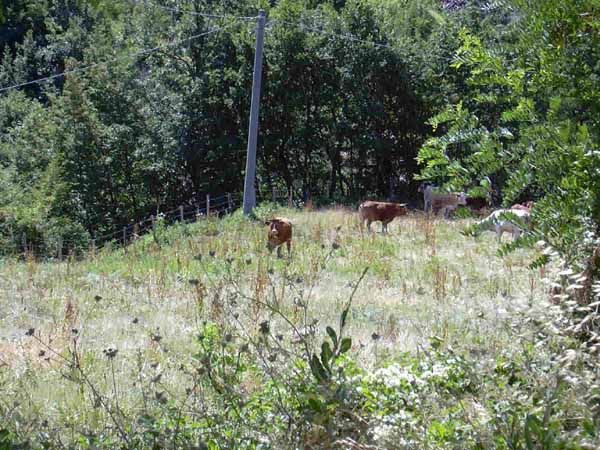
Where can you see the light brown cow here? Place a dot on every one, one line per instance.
(447, 202)
(280, 232)
(523, 206)
(383, 212)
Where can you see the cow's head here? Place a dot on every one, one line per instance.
(422, 187)
(274, 230)
(401, 209)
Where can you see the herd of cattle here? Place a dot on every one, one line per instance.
(512, 220)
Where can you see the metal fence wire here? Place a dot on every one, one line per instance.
(57, 247)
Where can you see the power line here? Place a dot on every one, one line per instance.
(128, 56)
(347, 37)
(207, 15)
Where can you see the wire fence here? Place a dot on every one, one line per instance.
(58, 247)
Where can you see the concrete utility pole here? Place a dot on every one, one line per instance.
(249, 194)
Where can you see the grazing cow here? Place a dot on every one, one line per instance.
(383, 212)
(447, 202)
(427, 190)
(280, 232)
(500, 221)
(523, 206)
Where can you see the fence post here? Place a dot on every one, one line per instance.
(93, 246)
(197, 212)
(273, 194)
(229, 202)
(12, 238)
(290, 198)
(124, 236)
(181, 213)
(24, 242)
(207, 205)
(60, 248)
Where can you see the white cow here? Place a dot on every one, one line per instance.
(500, 221)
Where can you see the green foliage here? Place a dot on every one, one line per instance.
(516, 124)
(341, 119)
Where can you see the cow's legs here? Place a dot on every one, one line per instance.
(384, 226)
(368, 225)
(499, 232)
(279, 251)
(289, 248)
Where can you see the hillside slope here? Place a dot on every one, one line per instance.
(198, 336)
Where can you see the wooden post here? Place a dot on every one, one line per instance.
(60, 248)
(12, 238)
(153, 220)
(229, 202)
(207, 205)
(124, 235)
(181, 213)
(290, 198)
(136, 231)
(93, 246)
(250, 174)
(24, 242)
(197, 212)
(274, 194)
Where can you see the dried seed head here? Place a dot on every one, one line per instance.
(110, 352)
(264, 327)
(156, 379)
(161, 397)
(30, 332)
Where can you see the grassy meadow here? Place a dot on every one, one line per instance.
(197, 337)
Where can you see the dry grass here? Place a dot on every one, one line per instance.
(424, 279)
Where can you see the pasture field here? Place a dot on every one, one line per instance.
(197, 337)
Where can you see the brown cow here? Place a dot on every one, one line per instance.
(447, 202)
(280, 232)
(383, 212)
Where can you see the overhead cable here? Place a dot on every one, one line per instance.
(201, 14)
(120, 58)
(347, 37)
